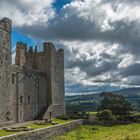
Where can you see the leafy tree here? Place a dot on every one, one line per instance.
(116, 103)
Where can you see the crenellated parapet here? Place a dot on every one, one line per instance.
(50, 48)
(29, 54)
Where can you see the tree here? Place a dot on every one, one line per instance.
(116, 103)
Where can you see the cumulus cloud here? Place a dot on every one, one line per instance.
(92, 20)
(101, 38)
(100, 66)
(27, 12)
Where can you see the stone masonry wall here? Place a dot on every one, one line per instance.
(34, 86)
(5, 72)
(45, 133)
(29, 93)
(55, 79)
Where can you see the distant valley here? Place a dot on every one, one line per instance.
(90, 102)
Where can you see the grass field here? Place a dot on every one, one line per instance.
(95, 132)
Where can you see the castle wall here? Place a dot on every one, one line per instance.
(58, 83)
(5, 71)
(29, 92)
(51, 62)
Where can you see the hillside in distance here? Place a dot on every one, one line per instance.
(90, 102)
(129, 92)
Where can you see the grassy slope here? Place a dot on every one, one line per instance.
(94, 132)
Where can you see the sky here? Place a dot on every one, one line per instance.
(101, 38)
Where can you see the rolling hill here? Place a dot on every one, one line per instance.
(90, 102)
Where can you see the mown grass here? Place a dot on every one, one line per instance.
(95, 132)
(92, 113)
(34, 126)
(5, 133)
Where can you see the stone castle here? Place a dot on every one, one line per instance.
(33, 87)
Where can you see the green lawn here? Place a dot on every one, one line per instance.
(5, 133)
(92, 113)
(95, 132)
(34, 126)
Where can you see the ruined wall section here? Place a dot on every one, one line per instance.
(5, 71)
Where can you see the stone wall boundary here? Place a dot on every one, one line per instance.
(45, 133)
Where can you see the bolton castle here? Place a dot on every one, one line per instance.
(33, 87)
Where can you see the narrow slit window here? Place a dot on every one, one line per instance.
(13, 79)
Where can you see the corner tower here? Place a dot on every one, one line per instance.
(5, 71)
(55, 81)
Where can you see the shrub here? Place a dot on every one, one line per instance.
(78, 115)
(63, 117)
(130, 118)
(105, 115)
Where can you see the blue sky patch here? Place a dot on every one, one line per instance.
(17, 36)
(58, 4)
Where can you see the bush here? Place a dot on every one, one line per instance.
(63, 117)
(78, 115)
(130, 118)
(105, 115)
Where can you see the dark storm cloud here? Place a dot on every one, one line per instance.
(90, 68)
(133, 70)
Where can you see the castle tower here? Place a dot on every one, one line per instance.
(49, 49)
(55, 80)
(5, 71)
(20, 54)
